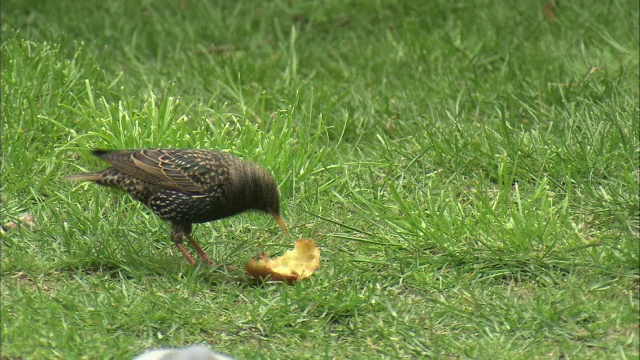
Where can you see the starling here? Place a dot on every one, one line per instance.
(187, 186)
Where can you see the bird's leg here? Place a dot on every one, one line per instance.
(177, 235)
(203, 255)
(186, 254)
(185, 230)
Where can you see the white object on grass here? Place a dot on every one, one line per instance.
(193, 352)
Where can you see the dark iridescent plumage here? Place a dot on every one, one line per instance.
(189, 186)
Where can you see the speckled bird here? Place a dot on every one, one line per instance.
(187, 186)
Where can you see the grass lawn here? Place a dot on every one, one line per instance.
(469, 170)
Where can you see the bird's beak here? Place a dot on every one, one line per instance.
(278, 218)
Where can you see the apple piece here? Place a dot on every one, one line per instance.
(297, 264)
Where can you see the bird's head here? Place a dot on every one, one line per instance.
(259, 191)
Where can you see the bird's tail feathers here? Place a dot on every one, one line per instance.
(100, 152)
(84, 177)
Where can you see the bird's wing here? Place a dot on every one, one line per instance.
(183, 170)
